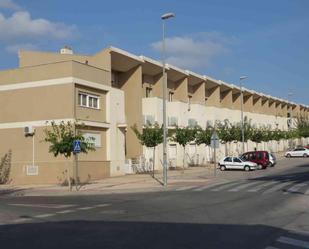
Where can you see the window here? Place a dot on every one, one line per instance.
(172, 121)
(236, 160)
(148, 92)
(149, 120)
(192, 122)
(93, 138)
(228, 159)
(253, 156)
(245, 157)
(170, 96)
(87, 100)
(260, 155)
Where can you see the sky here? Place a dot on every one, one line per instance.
(266, 40)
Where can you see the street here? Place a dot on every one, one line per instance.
(263, 209)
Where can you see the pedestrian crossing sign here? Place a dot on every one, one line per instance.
(76, 146)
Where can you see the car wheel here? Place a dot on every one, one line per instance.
(305, 155)
(288, 155)
(222, 168)
(260, 166)
(247, 168)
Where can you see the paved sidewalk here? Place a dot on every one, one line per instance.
(119, 184)
(132, 183)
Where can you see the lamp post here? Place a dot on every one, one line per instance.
(290, 118)
(242, 112)
(163, 18)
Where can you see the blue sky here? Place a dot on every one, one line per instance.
(268, 40)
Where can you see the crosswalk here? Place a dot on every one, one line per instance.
(289, 242)
(252, 186)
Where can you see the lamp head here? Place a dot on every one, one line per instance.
(243, 77)
(167, 16)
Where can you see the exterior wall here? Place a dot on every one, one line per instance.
(257, 105)
(116, 132)
(236, 98)
(34, 58)
(31, 103)
(181, 90)
(226, 99)
(131, 85)
(39, 103)
(51, 169)
(204, 115)
(248, 103)
(198, 93)
(213, 96)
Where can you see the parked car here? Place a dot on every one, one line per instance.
(236, 163)
(261, 158)
(298, 152)
(272, 160)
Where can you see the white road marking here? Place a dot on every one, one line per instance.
(225, 186)
(58, 206)
(66, 211)
(271, 247)
(44, 215)
(185, 188)
(293, 242)
(85, 208)
(277, 187)
(243, 186)
(295, 188)
(208, 186)
(21, 220)
(103, 205)
(259, 187)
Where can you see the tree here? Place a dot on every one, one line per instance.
(62, 136)
(183, 136)
(151, 136)
(256, 135)
(203, 136)
(302, 124)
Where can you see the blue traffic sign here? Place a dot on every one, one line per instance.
(76, 146)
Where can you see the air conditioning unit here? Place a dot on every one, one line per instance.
(28, 130)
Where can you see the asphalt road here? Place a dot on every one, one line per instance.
(265, 209)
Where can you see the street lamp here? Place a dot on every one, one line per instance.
(242, 112)
(163, 18)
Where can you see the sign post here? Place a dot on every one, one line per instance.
(214, 143)
(76, 150)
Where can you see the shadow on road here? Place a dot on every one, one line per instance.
(145, 235)
(11, 191)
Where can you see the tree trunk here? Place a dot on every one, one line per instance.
(184, 158)
(153, 161)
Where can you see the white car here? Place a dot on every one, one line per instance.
(236, 163)
(298, 152)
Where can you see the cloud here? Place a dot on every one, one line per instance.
(21, 25)
(13, 49)
(9, 4)
(195, 51)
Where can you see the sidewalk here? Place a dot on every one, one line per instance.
(119, 184)
(131, 183)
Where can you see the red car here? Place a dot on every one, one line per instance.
(261, 158)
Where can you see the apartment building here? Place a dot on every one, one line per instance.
(109, 92)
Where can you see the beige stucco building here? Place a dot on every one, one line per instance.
(109, 92)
